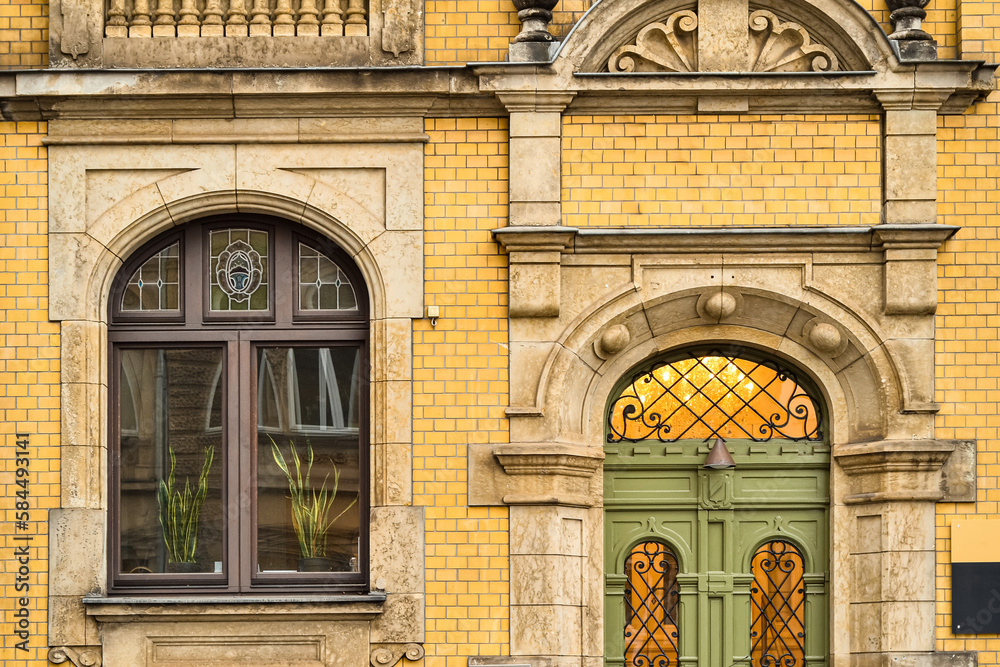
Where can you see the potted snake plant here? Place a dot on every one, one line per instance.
(311, 506)
(180, 514)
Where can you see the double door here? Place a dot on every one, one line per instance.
(715, 568)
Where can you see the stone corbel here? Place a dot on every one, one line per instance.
(78, 656)
(387, 655)
(535, 255)
(894, 470)
(910, 278)
(549, 474)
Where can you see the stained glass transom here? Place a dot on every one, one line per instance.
(651, 598)
(714, 395)
(777, 595)
(155, 286)
(322, 284)
(239, 270)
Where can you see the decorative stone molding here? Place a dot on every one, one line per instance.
(785, 47)
(670, 46)
(894, 470)
(86, 656)
(387, 655)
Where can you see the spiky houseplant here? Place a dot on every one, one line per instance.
(180, 510)
(310, 505)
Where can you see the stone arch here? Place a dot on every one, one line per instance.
(579, 373)
(841, 26)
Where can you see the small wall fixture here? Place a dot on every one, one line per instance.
(719, 457)
(433, 312)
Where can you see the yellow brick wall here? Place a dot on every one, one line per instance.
(729, 170)
(968, 320)
(24, 34)
(29, 387)
(460, 388)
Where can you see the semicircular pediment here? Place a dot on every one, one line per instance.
(759, 36)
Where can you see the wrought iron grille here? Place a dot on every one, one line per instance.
(651, 606)
(703, 397)
(777, 624)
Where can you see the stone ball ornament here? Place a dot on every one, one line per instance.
(719, 305)
(825, 337)
(614, 339)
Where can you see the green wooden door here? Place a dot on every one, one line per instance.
(714, 521)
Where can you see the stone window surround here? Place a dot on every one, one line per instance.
(142, 194)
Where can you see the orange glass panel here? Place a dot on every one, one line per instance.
(651, 606)
(777, 624)
(714, 395)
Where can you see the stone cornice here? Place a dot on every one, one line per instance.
(473, 90)
(728, 239)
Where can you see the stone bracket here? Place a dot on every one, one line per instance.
(78, 656)
(958, 475)
(535, 256)
(910, 278)
(387, 655)
(534, 474)
(894, 470)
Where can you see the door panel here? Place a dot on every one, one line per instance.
(714, 521)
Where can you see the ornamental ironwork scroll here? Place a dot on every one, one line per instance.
(777, 595)
(651, 598)
(715, 395)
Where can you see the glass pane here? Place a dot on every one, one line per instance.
(154, 286)
(651, 598)
(238, 270)
(171, 456)
(322, 285)
(308, 467)
(777, 596)
(715, 395)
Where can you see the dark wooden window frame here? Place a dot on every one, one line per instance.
(284, 325)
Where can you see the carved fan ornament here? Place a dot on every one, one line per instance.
(672, 46)
(785, 47)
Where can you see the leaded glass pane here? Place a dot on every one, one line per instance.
(777, 595)
(239, 269)
(322, 284)
(172, 513)
(715, 395)
(651, 598)
(155, 286)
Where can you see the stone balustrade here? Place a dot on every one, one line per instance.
(236, 18)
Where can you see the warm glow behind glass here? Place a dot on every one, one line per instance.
(716, 395)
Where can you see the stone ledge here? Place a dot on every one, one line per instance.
(231, 608)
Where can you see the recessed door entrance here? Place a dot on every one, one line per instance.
(716, 567)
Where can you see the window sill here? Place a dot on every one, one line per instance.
(230, 608)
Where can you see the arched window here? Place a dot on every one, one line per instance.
(651, 635)
(777, 596)
(239, 385)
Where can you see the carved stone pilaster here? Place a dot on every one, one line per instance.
(78, 656)
(387, 655)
